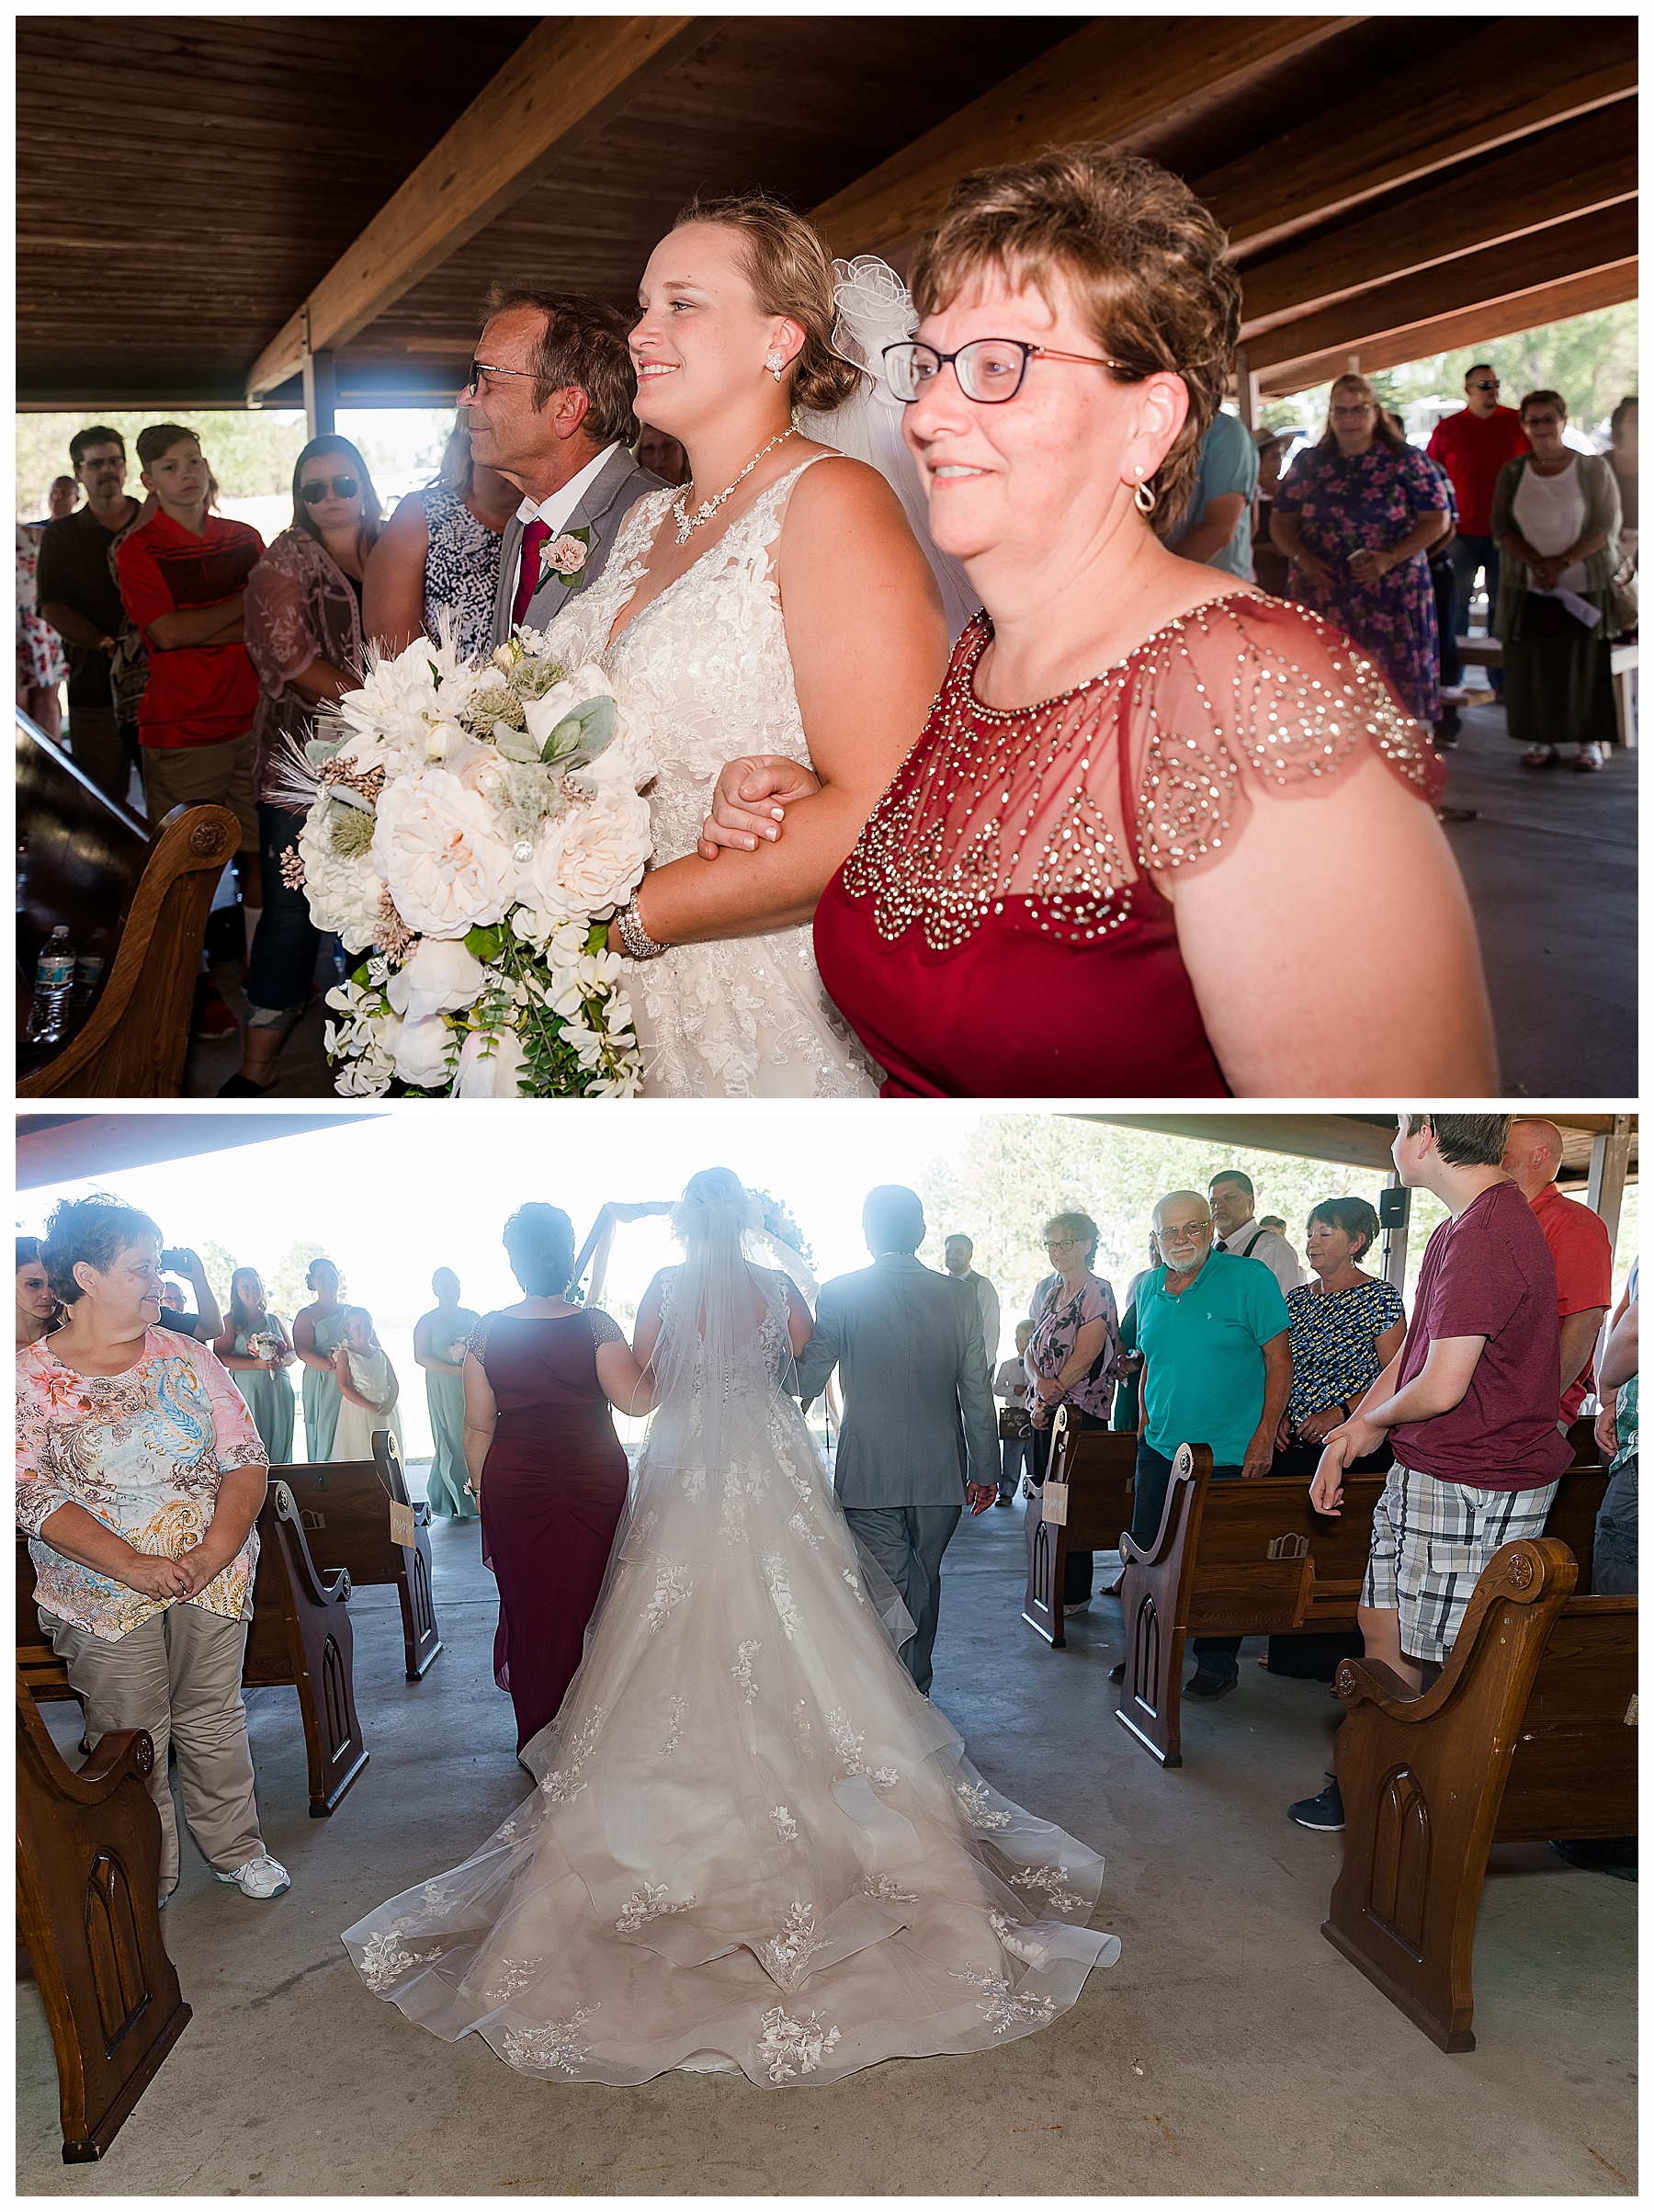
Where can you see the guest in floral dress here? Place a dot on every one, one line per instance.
(40, 664)
(1354, 515)
(140, 1480)
(1073, 1357)
(438, 557)
(1346, 1327)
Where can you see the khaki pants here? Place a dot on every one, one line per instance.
(98, 745)
(196, 775)
(177, 1675)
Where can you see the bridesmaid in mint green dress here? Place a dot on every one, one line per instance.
(439, 1342)
(318, 1332)
(257, 1350)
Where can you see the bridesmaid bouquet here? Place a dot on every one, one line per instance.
(470, 828)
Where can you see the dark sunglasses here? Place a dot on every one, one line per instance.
(316, 490)
(1484, 384)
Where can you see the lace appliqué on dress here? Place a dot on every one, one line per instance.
(789, 2048)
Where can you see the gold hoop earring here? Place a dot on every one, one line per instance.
(1143, 498)
(774, 362)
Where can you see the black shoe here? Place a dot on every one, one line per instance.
(242, 1086)
(1118, 1672)
(1201, 1685)
(1004, 1498)
(1602, 1854)
(1324, 1814)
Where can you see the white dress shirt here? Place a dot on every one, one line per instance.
(555, 509)
(988, 1302)
(1271, 1248)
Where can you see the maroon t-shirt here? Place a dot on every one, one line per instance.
(1490, 1273)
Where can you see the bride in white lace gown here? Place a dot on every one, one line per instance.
(754, 1845)
(779, 604)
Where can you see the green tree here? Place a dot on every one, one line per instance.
(252, 451)
(285, 1285)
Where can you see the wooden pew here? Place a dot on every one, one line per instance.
(357, 1514)
(1253, 1559)
(137, 895)
(1528, 1734)
(300, 1636)
(1084, 1506)
(1231, 1558)
(88, 1874)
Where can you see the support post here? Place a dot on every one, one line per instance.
(320, 387)
(1610, 1156)
(1246, 391)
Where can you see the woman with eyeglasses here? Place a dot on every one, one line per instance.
(1136, 766)
(1073, 1358)
(303, 628)
(1557, 521)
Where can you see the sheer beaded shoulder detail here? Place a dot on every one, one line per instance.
(1066, 805)
(604, 1330)
(477, 1341)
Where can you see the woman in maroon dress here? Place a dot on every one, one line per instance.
(544, 1458)
(1100, 872)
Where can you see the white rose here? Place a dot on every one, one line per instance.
(494, 1076)
(589, 858)
(440, 978)
(342, 894)
(422, 1051)
(443, 853)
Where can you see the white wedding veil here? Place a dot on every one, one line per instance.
(876, 311)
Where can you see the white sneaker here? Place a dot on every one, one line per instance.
(262, 1876)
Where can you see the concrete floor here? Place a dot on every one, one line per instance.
(1231, 2051)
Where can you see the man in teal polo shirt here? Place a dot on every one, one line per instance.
(1218, 1370)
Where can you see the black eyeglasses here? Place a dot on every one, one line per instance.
(478, 369)
(990, 371)
(316, 490)
(1485, 384)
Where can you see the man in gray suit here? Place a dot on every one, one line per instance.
(909, 1343)
(549, 407)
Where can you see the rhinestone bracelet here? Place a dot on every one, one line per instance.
(634, 937)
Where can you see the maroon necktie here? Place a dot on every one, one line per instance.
(529, 575)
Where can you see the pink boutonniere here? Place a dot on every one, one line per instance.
(565, 558)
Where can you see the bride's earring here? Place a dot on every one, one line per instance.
(1143, 497)
(774, 362)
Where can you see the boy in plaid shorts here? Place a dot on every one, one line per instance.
(1469, 1403)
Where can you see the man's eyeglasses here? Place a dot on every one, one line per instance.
(1484, 384)
(990, 371)
(478, 369)
(1183, 1232)
(316, 490)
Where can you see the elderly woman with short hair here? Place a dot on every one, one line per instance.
(1346, 1326)
(140, 1480)
(1557, 521)
(1072, 1356)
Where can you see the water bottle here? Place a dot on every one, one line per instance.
(55, 983)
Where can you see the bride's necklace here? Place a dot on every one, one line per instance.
(687, 523)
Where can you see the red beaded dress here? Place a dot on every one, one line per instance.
(997, 931)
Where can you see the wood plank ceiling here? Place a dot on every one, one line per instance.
(1391, 185)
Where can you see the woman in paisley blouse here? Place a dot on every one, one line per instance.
(545, 1461)
(1138, 771)
(140, 1480)
(438, 556)
(1073, 1358)
(1346, 1326)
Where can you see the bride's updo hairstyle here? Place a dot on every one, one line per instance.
(1142, 257)
(715, 1199)
(786, 266)
(539, 1243)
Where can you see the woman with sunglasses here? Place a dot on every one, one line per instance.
(1557, 521)
(303, 628)
(1140, 774)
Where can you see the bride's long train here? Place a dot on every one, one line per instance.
(754, 1845)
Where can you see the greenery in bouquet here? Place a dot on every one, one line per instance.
(470, 828)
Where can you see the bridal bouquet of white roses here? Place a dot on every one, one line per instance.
(469, 827)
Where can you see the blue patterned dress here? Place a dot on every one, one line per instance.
(462, 570)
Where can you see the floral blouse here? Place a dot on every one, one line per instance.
(142, 1453)
(1335, 1343)
(1057, 1327)
(300, 607)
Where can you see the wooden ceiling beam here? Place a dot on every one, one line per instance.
(569, 77)
(1550, 256)
(1484, 92)
(1474, 326)
(1586, 164)
(1110, 79)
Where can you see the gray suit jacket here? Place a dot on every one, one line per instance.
(908, 1344)
(618, 485)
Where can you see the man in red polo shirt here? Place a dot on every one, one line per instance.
(1578, 1244)
(182, 575)
(1473, 447)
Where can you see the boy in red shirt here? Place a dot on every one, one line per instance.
(182, 575)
